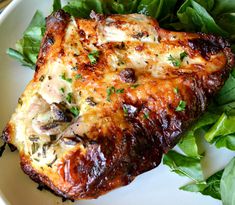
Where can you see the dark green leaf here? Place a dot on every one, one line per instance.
(159, 9)
(83, 8)
(194, 17)
(69, 97)
(211, 187)
(184, 166)
(227, 93)
(56, 5)
(227, 184)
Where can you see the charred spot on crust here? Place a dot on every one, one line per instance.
(128, 75)
(208, 45)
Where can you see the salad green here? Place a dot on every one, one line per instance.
(217, 125)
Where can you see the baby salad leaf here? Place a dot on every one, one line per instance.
(83, 8)
(210, 187)
(27, 48)
(56, 5)
(184, 166)
(194, 17)
(227, 93)
(188, 143)
(158, 9)
(224, 126)
(227, 141)
(227, 184)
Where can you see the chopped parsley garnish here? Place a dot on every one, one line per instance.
(134, 86)
(63, 76)
(75, 111)
(78, 76)
(110, 91)
(113, 90)
(62, 90)
(120, 91)
(183, 55)
(181, 106)
(175, 61)
(69, 97)
(93, 56)
(146, 115)
(125, 110)
(176, 90)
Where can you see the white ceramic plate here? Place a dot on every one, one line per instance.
(156, 187)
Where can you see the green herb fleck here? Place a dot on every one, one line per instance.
(134, 86)
(181, 106)
(183, 55)
(175, 61)
(75, 111)
(69, 97)
(63, 76)
(62, 90)
(78, 76)
(146, 115)
(118, 91)
(176, 90)
(125, 110)
(110, 91)
(93, 56)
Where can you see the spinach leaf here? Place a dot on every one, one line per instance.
(227, 184)
(227, 93)
(210, 187)
(83, 8)
(227, 141)
(224, 126)
(56, 5)
(184, 166)
(194, 17)
(188, 143)
(159, 9)
(27, 48)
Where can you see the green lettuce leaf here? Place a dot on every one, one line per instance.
(210, 187)
(194, 17)
(27, 48)
(227, 184)
(227, 141)
(184, 166)
(56, 5)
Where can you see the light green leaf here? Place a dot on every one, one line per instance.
(184, 166)
(227, 184)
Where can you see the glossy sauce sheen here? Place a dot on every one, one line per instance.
(110, 95)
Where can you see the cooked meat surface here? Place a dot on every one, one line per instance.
(110, 95)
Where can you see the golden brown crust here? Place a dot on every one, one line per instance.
(128, 98)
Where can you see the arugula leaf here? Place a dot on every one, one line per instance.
(210, 187)
(227, 184)
(27, 48)
(56, 5)
(184, 166)
(227, 141)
